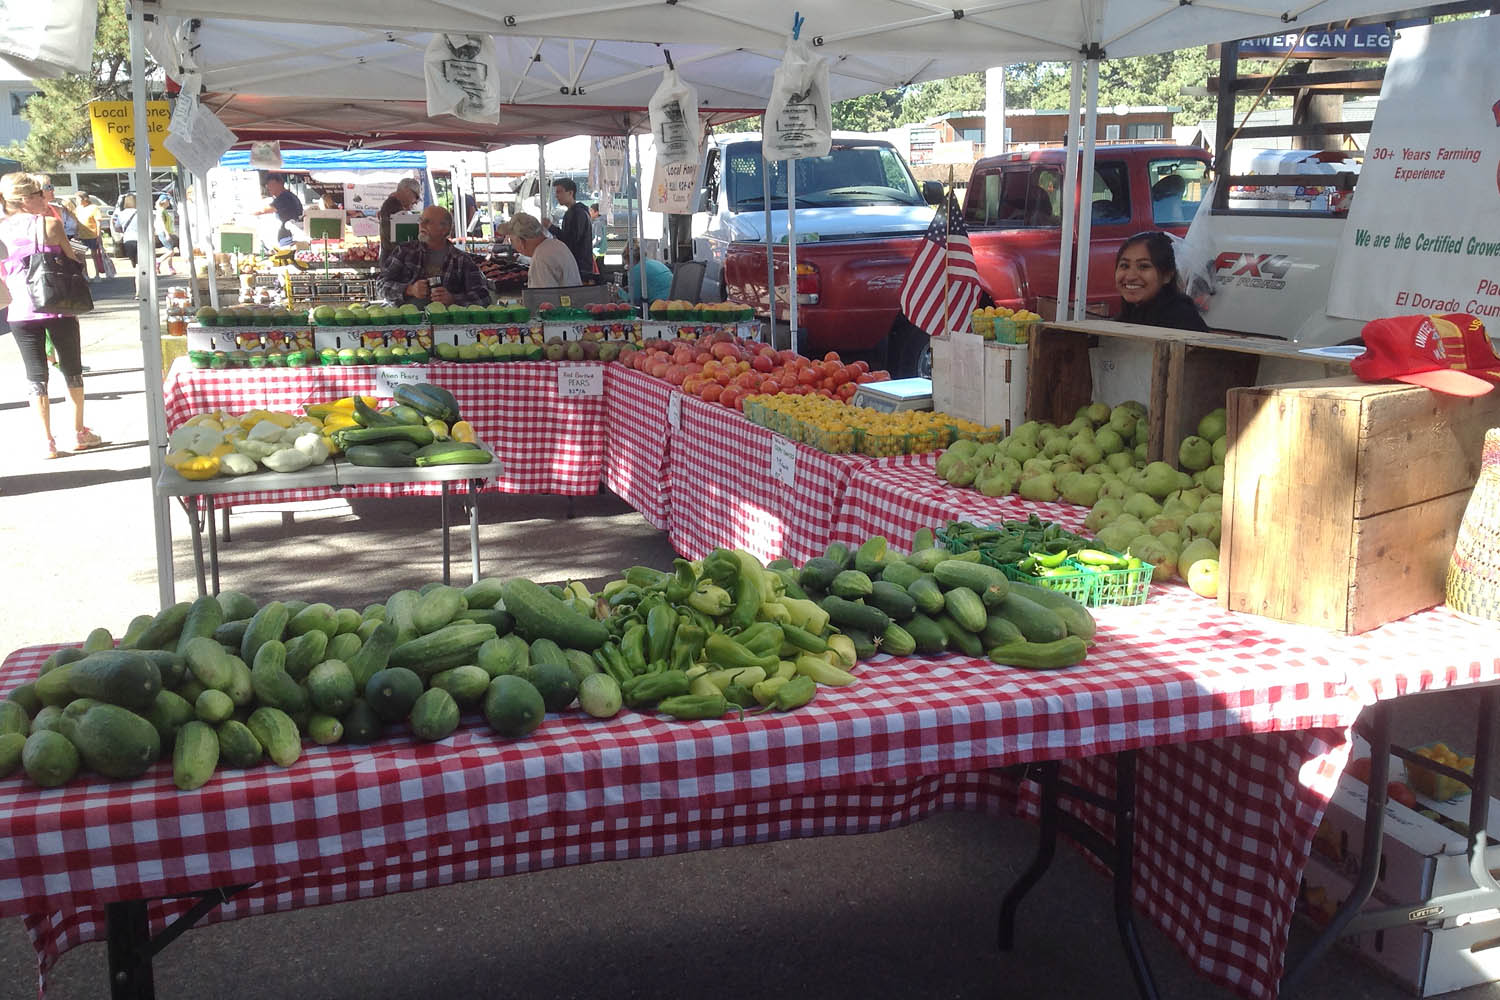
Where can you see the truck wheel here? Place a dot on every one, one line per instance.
(906, 349)
(924, 363)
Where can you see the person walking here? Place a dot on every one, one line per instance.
(86, 211)
(408, 192)
(166, 230)
(576, 232)
(27, 228)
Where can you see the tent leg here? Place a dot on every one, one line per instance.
(1086, 198)
(1069, 196)
(150, 317)
(765, 188)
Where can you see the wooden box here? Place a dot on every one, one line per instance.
(1342, 499)
(991, 391)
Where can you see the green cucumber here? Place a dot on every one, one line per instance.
(169, 713)
(1037, 624)
(927, 635)
(838, 553)
(241, 689)
(542, 616)
(1066, 652)
(325, 730)
(209, 663)
(900, 572)
(848, 613)
(361, 724)
(869, 558)
(348, 621)
(331, 687)
(269, 623)
(960, 639)
(450, 646)
(378, 456)
(238, 746)
(236, 605)
(851, 585)
(373, 656)
(818, 573)
(164, 628)
(392, 692)
(194, 756)
(273, 685)
(133, 631)
(434, 716)
(213, 706)
(927, 594)
(1075, 616)
(466, 684)
(118, 676)
(344, 646)
(204, 616)
(891, 599)
(231, 634)
(437, 608)
(277, 734)
(974, 576)
(483, 594)
(897, 641)
(305, 652)
(315, 617)
(116, 742)
(966, 608)
(506, 654)
(999, 631)
(49, 759)
(100, 639)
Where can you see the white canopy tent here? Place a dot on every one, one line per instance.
(600, 53)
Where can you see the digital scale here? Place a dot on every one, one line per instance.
(895, 396)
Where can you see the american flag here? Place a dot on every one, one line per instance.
(945, 260)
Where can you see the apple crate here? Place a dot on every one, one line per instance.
(1342, 499)
(990, 392)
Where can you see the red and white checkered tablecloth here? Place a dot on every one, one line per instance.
(637, 441)
(895, 497)
(723, 493)
(913, 737)
(548, 444)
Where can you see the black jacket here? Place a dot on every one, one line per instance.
(1168, 308)
(577, 233)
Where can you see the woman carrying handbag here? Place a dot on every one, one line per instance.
(28, 231)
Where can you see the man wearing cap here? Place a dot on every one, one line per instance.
(407, 194)
(552, 263)
(1437, 352)
(431, 269)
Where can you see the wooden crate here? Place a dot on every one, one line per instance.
(992, 393)
(1342, 499)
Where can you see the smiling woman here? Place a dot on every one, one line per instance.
(1146, 278)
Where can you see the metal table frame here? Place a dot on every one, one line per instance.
(197, 500)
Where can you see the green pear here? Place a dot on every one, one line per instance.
(1195, 453)
(1214, 425)
(1198, 548)
(1220, 450)
(1120, 461)
(1213, 503)
(1097, 413)
(1109, 440)
(1104, 510)
(1122, 421)
(1142, 506)
(1038, 489)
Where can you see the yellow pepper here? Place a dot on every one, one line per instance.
(173, 459)
(198, 467)
(224, 448)
(438, 428)
(463, 432)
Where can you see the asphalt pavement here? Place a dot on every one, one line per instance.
(906, 913)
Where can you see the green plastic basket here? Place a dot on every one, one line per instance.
(1122, 587)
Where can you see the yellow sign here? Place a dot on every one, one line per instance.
(113, 125)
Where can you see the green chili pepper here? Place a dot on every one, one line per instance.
(802, 639)
(687, 643)
(625, 597)
(765, 692)
(794, 694)
(738, 694)
(609, 660)
(818, 669)
(749, 592)
(694, 706)
(682, 583)
(762, 638)
(711, 599)
(726, 653)
(723, 568)
(647, 578)
(1051, 560)
(1098, 557)
(633, 649)
(661, 625)
(650, 688)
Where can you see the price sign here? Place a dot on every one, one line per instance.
(575, 381)
(386, 379)
(783, 461)
(674, 410)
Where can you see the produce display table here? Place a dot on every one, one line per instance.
(636, 441)
(1240, 734)
(895, 497)
(724, 493)
(546, 443)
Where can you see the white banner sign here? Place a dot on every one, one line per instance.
(386, 379)
(607, 166)
(1423, 234)
(783, 461)
(674, 188)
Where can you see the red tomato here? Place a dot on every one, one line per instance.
(788, 356)
(831, 356)
(847, 390)
(677, 374)
(762, 363)
(864, 377)
(1359, 769)
(806, 376)
(659, 369)
(1397, 791)
(729, 397)
(881, 376)
(710, 392)
(749, 380)
(863, 366)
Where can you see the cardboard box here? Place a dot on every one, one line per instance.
(1342, 499)
(1428, 962)
(980, 380)
(1420, 859)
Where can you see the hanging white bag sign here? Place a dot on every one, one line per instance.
(798, 122)
(463, 77)
(266, 155)
(607, 166)
(674, 120)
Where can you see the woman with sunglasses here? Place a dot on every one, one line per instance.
(1146, 278)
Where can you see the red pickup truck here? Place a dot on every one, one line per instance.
(850, 288)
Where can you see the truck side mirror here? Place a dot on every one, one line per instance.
(932, 192)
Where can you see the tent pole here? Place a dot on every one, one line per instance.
(1069, 195)
(765, 189)
(791, 246)
(640, 216)
(1086, 194)
(542, 190)
(489, 196)
(150, 318)
(200, 185)
(630, 233)
(187, 238)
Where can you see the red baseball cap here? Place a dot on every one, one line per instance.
(1468, 345)
(1412, 349)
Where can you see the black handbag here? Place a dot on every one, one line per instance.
(56, 282)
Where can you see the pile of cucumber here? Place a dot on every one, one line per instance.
(934, 601)
(226, 682)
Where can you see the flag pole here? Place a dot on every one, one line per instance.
(947, 250)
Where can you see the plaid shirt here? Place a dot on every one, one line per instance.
(460, 275)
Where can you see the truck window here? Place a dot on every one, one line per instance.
(1111, 200)
(984, 209)
(1177, 187)
(850, 175)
